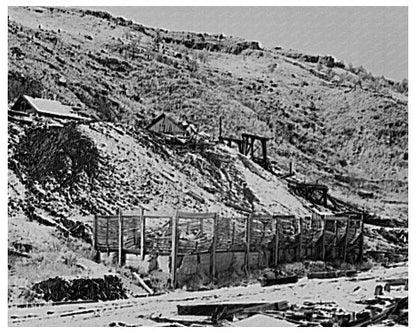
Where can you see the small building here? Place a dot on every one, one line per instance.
(46, 108)
(166, 125)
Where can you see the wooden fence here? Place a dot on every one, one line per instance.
(285, 238)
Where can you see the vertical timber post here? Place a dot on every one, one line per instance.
(361, 250)
(336, 239)
(323, 240)
(120, 238)
(344, 255)
(142, 233)
(214, 246)
(220, 129)
(276, 244)
(95, 240)
(174, 248)
(300, 254)
(248, 229)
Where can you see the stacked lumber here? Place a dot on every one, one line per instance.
(58, 289)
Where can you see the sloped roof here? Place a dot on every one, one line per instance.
(53, 108)
(163, 115)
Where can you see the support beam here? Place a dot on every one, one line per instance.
(248, 240)
(142, 233)
(361, 251)
(214, 246)
(323, 240)
(174, 253)
(120, 238)
(344, 256)
(300, 247)
(264, 151)
(220, 129)
(276, 245)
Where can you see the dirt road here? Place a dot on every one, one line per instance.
(137, 312)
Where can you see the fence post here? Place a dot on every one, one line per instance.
(174, 248)
(323, 240)
(97, 257)
(300, 255)
(248, 228)
(142, 232)
(214, 245)
(361, 251)
(276, 244)
(120, 238)
(344, 256)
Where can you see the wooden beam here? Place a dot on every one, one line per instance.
(186, 215)
(344, 256)
(323, 240)
(208, 309)
(360, 254)
(264, 150)
(300, 248)
(120, 237)
(276, 244)
(174, 252)
(142, 233)
(248, 239)
(214, 246)
(95, 232)
(220, 129)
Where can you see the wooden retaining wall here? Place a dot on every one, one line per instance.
(250, 241)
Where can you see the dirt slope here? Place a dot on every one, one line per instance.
(337, 123)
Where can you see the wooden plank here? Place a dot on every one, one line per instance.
(158, 216)
(143, 284)
(209, 309)
(360, 255)
(187, 215)
(344, 256)
(120, 237)
(248, 240)
(95, 239)
(174, 250)
(276, 244)
(142, 222)
(300, 246)
(323, 239)
(214, 245)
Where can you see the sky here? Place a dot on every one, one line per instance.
(375, 37)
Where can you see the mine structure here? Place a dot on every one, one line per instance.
(248, 145)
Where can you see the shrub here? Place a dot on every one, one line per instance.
(64, 154)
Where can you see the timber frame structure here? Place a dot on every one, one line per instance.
(247, 146)
(216, 243)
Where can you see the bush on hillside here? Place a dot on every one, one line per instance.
(64, 154)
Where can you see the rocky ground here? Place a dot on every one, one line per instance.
(150, 310)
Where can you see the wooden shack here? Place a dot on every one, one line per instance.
(166, 125)
(45, 108)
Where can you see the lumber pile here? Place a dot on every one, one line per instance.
(58, 289)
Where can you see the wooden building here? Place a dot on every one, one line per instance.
(45, 108)
(166, 125)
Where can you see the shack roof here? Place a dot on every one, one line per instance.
(50, 108)
(161, 116)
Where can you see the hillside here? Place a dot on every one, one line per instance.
(128, 73)
(339, 126)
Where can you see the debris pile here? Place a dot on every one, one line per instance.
(96, 289)
(389, 311)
